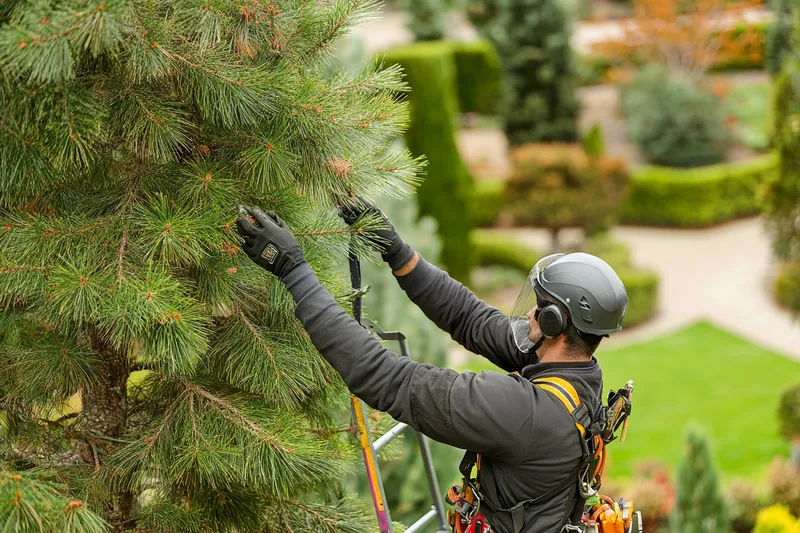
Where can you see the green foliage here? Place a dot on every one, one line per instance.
(494, 250)
(486, 202)
(130, 131)
(483, 12)
(592, 69)
(33, 501)
(697, 197)
(557, 186)
(540, 77)
(786, 288)
(673, 122)
(425, 18)
(699, 505)
(751, 106)
(594, 142)
(776, 519)
(446, 191)
(779, 36)
(782, 199)
(479, 76)
(789, 412)
(404, 476)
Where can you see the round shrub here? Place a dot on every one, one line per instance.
(558, 185)
(776, 519)
(744, 504)
(673, 122)
(784, 484)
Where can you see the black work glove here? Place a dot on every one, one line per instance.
(269, 244)
(384, 237)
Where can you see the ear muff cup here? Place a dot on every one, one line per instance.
(551, 321)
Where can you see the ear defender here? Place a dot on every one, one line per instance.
(551, 321)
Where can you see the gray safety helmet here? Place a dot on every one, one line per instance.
(590, 289)
(585, 285)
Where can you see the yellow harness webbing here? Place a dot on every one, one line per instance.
(566, 394)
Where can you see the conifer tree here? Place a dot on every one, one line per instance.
(152, 378)
(533, 40)
(700, 506)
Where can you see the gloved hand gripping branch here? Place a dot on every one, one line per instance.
(383, 236)
(268, 242)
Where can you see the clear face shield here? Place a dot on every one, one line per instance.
(527, 302)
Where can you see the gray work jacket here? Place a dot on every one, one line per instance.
(527, 439)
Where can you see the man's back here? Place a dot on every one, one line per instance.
(552, 455)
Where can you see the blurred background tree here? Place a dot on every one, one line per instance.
(444, 195)
(674, 122)
(779, 39)
(699, 505)
(782, 195)
(540, 76)
(686, 37)
(789, 420)
(425, 18)
(556, 186)
(151, 378)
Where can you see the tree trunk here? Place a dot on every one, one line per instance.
(104, 413)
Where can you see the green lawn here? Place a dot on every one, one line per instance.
(705, 375)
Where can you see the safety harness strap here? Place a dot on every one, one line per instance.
(567, 395)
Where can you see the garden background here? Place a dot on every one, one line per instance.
(661, 135)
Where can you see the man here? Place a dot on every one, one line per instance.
(529, 446)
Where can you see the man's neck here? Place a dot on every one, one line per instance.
(558, 354)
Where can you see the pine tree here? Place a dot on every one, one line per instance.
(151, 377)
(407, 491)
(700, 506)
(541, 104)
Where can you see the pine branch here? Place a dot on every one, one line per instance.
(260, 341)
(235, 415)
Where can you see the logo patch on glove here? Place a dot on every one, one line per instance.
(270, 253)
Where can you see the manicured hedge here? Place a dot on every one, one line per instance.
(447, 189)
(494, 249)
(697, 197)
(479, 76)
(487, 202)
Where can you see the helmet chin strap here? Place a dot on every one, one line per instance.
(536, 346)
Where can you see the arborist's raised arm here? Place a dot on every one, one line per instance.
(431, 400)
(471, 322)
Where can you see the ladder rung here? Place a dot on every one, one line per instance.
(388, 436)
(416, 526)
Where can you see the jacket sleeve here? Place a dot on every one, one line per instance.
(474, 324)
(479, 412)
